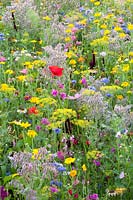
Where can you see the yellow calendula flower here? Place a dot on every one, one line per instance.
(118, 28)
(97, 3)
(31, 133)
(69, 160)
(25, 124)
(84, 167)
(97, 14)
(126, 68)
(9, 71)
(103, 26)
(21, 78)
(35, 100)
(67, 39)
(130, 27)
(47, 18)
(130, 53)
(70, 25)
(73, 173)
(120, 97)
(122, 35)
(125, 84)
(120, 190)
(72, 62)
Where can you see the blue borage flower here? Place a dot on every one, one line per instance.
(59, 167)
(57, 183)
(2, 36)
(57, 130)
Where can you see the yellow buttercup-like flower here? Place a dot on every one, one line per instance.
(69, 160)
(73, 173)
(31, 133)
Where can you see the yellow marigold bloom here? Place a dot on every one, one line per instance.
(73, 173)
(9, 71)
(97, 14)
(120, 97)
(120, 190)
(126, 68)
(131, 61)
(130, 27)
(122, 35)
(72, 62)
(69, 160)
(84, 167)
(81, 59)
(70, 25)
(67, 39)
(130, 53)
(47, 18)
(25, 124)
(31, 133)
(118, 28)
(35, 100)
(103, 26)
(106, 32)
(125, 84)
(21, 78)
(35, 151)
(97, 3)
(115, 70)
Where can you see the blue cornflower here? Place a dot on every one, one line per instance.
(74, 81)
(105, 80)
(57, 130)
(61, 169)
(2, 36)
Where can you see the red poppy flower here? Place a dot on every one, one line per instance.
(56, 71)
(70, 192)
(32, 110)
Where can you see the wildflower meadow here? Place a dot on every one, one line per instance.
(66, 99)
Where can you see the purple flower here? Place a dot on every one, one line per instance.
(54, 92)
(38, 128)
(57, 130)
(60, 155)
(84, 81)
(54, 189)
(92, 197)
(63, 95)
(3, 193)
(45, 121)
(97, 163)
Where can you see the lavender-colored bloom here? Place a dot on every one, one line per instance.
(38, 128)
(45, 121)
(3, 193)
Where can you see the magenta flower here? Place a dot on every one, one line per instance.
(53, 189)
(3, 193)
(54, 92)
(92, 197)
(24, 71)
(84, 81)
(45, 121)
(60, 155)
(97, 163)
(2, 59)
(63, 95)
